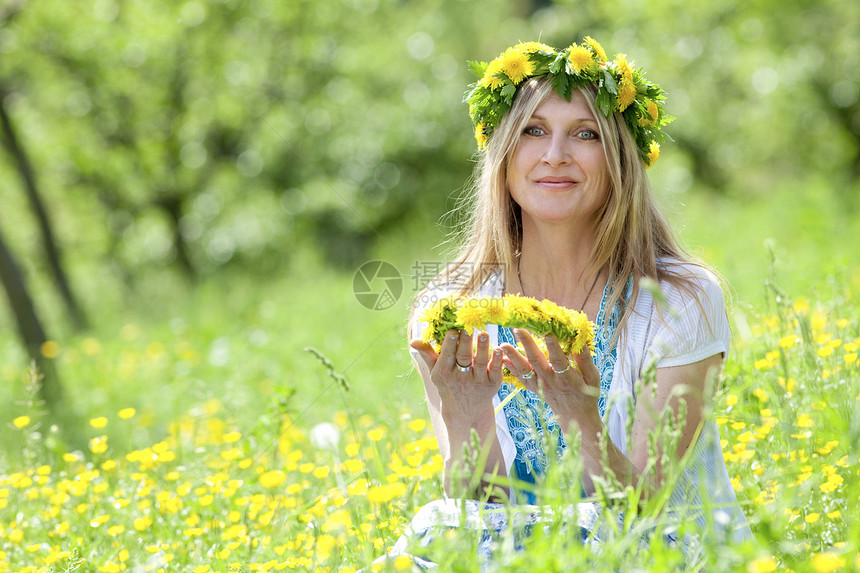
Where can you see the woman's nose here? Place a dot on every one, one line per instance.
(557, 151)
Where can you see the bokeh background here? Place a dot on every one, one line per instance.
(188, 188)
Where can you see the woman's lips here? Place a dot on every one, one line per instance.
(556, 183)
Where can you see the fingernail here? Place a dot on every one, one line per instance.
(483, 338)
(454, 336)
(497, 352)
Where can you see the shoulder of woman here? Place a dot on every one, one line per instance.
(682, 280)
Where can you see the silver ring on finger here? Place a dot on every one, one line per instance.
(463, 368)
(528, 375)
(563, 370)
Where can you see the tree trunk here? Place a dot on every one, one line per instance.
(49, 242)
(29, 328)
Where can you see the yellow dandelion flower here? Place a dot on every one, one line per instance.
(652, 111)
(99, 423)
(272, 478)
(521, 309)
(554, 312)
(626, 95)
(626, 88)
(50, 349)
(471, 316)
(480, 136)
(623, 67)
(516, 65)
(531, 47)
(127, 413)
(376, 434)
(763, 564)
(384, 493)
(21, 421)
(495, 311)
(580, 58)
(98, 445)
(826, 562)
(417, 425)
(490, 81)
(653, 153)
(596, 48)
(804, 421)
(833, 481)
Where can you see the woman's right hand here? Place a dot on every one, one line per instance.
(466, 381)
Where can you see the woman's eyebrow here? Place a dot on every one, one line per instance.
(585, 118)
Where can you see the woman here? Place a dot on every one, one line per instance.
(562, 210)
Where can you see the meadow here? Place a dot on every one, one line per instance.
(268, 425)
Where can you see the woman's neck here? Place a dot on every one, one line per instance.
(555, 263)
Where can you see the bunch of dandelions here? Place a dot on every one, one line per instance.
(571, 328)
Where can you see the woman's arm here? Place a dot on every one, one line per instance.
(460, 402)
(572, 394)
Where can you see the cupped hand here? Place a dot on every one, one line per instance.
(466, 377)
(570, 385)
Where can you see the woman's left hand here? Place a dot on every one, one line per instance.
(570, 387)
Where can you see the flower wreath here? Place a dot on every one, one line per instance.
(572, 328)
(620, 88)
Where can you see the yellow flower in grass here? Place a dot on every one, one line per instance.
(597, 48)
(580, 58)
(98, 445)
(126, 413)
(833, 481)
(516, 65)
(826, 562)
(763, 564)
(383, 493)
(21, 422)
(272, 478)
(99, 423)
(490, 81)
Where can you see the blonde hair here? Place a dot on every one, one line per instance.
(631, 233)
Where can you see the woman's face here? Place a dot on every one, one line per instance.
(558, 169)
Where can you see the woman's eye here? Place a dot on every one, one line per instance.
(588, 134)
(533, 130)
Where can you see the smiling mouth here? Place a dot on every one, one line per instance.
(556, 182)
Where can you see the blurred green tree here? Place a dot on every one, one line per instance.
(205, 134)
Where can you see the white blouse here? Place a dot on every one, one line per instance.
(688, 330)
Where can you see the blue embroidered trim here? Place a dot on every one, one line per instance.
(530, 420)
